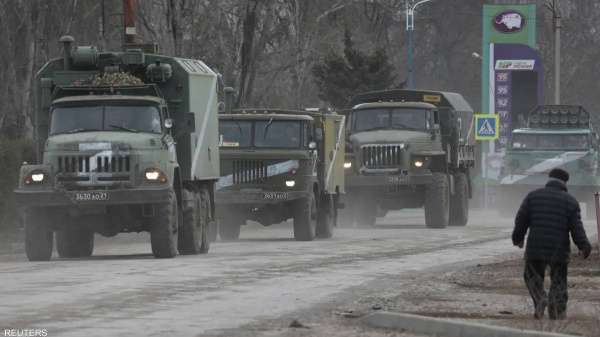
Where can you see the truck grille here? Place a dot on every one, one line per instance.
(249, 171)
(381, 156)
(87, 164)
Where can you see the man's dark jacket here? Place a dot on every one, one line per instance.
(550, 213)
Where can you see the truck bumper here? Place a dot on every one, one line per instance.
(257, 198)
(421, 178)
(114, 197)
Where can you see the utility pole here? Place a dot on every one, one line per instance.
(410, 11)
(556, 26)
(102, 38)
(129, 21)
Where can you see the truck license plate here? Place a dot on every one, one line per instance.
(398, 179)
(91, 196)
(276, 195)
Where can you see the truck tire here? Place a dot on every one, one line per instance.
(459, 202)
(39, 236)
(189, 236)
(229, 228)
(366, 214)
(74, 242)
(437, 203)
(305, 218)
(205, 208)
(325, 218)
(381, 213)
(164, 227)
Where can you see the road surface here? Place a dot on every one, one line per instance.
(255, 286)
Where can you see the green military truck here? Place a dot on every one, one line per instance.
(127, 142)
(409, 149)
(278, 165)
(553, 136)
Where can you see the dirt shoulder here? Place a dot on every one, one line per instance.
(495, 294)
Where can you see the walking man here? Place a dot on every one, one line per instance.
(550, 214)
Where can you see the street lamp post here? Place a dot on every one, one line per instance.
(409, 26)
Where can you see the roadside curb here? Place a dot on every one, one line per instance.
(445, 327)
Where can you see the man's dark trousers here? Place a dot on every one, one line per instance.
(558, 294)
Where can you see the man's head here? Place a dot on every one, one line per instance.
(559, 174)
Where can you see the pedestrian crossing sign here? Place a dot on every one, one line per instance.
(487, 127)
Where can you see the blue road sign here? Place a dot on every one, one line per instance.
(488, 127)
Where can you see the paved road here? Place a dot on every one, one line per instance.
(123, 291)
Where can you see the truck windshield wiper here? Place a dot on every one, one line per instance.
(404, 126)
(374, 128)
(267, 128)
(239, 127)
(124, 128)
(81, 130)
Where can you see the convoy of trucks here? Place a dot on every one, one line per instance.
(135, 141)
(552, 136)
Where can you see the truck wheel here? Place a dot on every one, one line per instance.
(381, 213)
(74, 242)
(437, 203)
(39, 236)
(459, 203)
(190, 232)
(163, 228)
(305, 218)
(325, 218)
(205, 208)
(229, 228)
(366, 215)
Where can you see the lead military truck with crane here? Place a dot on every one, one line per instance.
(409, 149)
(108, 160)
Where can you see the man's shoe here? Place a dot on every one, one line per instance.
(540, 308)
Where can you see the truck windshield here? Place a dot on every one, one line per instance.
(235, 134)
(279, 134)
(404, 118)
(550, 141)
(131, 118)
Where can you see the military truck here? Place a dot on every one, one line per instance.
(409, 149)
(278, 165)
(552, 136)
(127, 143)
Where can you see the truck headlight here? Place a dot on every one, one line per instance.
(418, 163)
(290, 183)
(347, 165)
(34, 177)
(421, 161)
(153, 174)
(37, 177)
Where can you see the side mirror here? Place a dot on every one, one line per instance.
(312, 145)
(168, 123)
(319, 134)
(190, 120)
